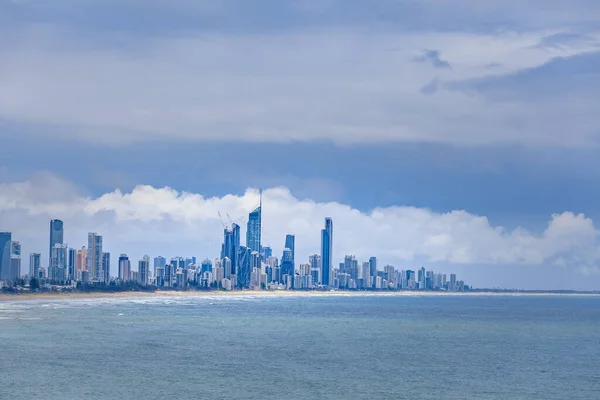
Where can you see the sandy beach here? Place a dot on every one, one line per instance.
(264, 293)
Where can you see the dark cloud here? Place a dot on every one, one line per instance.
(433, 57)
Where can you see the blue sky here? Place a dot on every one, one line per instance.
(487, 107)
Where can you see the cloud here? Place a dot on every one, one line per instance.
(300, 72)
(165, 221)
(433, 57)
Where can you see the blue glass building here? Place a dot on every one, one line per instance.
(327, 250)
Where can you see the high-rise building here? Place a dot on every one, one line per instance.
(35, 260)
(243, 271)
(327, 251)
(206, 266)
(56, 236)
(15, 260)
(253, 232)
(143, 270)
(57, 271)
(373, 266)
(287, 262)
(15, 248)
(231, 245)
(266, 252)
(159, 262)
(105, 267)
(81, 263)
(72, 265)
(124, 268)
(315, 268)
(5, 257)
(94, 261)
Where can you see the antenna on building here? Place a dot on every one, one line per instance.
(260, 199)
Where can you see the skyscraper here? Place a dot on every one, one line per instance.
(231, 245)
(315, 268)
(124, 268)
(105, 267)
(56, 236)
(94, 261)
(290, 243)
(254, 228)
(159, 262)
(373, 266)
(35, 260)
(326, 251)
(58, 256)
(5, 250)
(15, 260)
(71, 265)
(143, 269)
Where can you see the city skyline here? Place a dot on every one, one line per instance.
(310, 243)
(239, 267)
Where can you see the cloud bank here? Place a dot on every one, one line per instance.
(163, 221)
(295, 71)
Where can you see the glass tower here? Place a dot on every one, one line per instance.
(327, 250)
(56, 236)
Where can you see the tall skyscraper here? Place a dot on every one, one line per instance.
(81, 263)
(143, 270)
(266, 252)
(56, 236)
(15, 260)
(72, 265)
(35, 260)
(57, 270)
(327, 251)
(231, 245)
(94, 261)
(290, 243)
(105, 267)
(244, 267)
(5, 259)
(124, 268)
(254, 228)
(315, 268)
(159, 262)
(373, 266)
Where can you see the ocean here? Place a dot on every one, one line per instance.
(302, 347)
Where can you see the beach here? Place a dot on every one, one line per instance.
(261, 293)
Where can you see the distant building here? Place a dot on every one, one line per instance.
(58, 269)
(94, 261)
(327, 251)
(124, 268)
(159, 262)
(105, 267)
(315, 268)
(5, 255)
(143, 270)
(72, 264)
(35, 260)
(253, 233)
(56, 236)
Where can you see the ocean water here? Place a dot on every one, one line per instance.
(302, 347)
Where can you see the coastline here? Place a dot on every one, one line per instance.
(4, 297)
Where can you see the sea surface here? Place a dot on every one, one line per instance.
(302, 347)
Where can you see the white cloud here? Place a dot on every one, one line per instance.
(166, 222)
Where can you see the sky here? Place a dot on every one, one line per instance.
(458, 135)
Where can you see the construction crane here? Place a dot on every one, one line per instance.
(229, 218)
(221, 219)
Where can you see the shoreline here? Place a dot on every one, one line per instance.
(5, 297)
